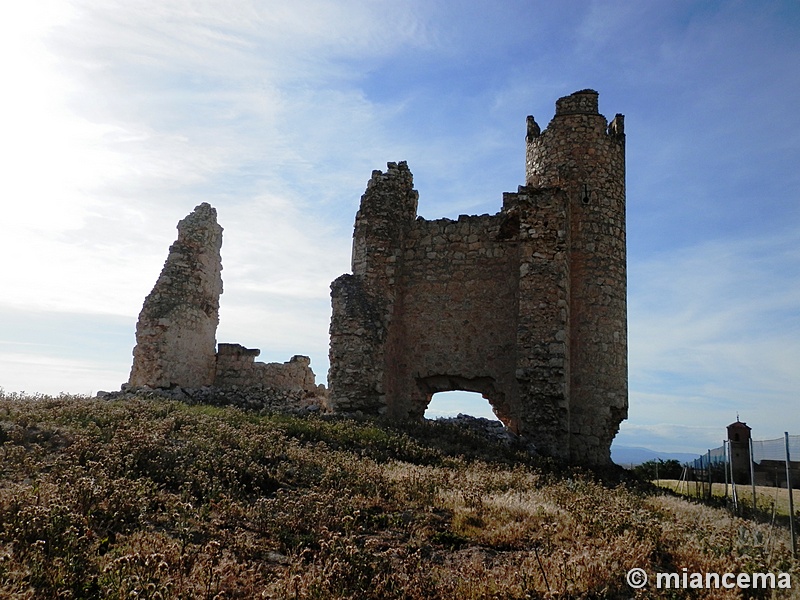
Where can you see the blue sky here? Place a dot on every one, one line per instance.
(119, 117)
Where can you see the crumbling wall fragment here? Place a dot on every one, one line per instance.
(176, 331)
(238, 369)
(176, 353)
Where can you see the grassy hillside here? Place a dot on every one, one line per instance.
(156, 499)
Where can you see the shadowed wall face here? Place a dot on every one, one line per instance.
(526, 307)
(583, 155)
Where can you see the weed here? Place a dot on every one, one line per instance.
(157, 499)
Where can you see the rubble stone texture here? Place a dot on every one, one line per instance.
(526, 307)
(176, 331)
(176, 350)
(237, 369)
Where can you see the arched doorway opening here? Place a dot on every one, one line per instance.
(452, 403)
(477, 392)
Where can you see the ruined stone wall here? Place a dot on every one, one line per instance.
(238, 369)
(176, 331)
(176, 354)
(543, 316)
(455, 312)
(526, 307)
(363, 303)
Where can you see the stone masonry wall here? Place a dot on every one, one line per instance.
(237, 369)
(543, 316)
(526, 307)
(176, 353)
(363, 303)
(455, 311)
(176, 331)
(583, 155)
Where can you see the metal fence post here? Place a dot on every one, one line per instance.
(791, 500)
(734, 496)
(725, 465)
(753, 475)
(702, 477)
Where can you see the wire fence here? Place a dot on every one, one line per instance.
(771, 450)
(750, 463)
(775, 449)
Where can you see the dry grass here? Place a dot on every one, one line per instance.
(155, 499)
(767, 498)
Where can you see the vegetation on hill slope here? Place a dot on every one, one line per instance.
(157, 499)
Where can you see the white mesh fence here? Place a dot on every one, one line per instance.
(762, 450)
(776, 449)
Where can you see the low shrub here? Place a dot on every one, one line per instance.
(157, 499)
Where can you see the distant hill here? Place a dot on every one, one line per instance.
(625, 456)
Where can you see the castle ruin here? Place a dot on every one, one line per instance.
(176, 347)
(526, 307)
(176, 331)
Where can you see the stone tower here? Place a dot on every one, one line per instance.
(583, 156)
(176, 331)
(526, 307)
(739, 440)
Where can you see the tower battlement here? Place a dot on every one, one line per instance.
(583, 102)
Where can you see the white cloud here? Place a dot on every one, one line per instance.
(714, 331)
(451, 404)
(128, 115)
(116, 141)
(246, 40)
(55, 374)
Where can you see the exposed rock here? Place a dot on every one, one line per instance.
(492, 430)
